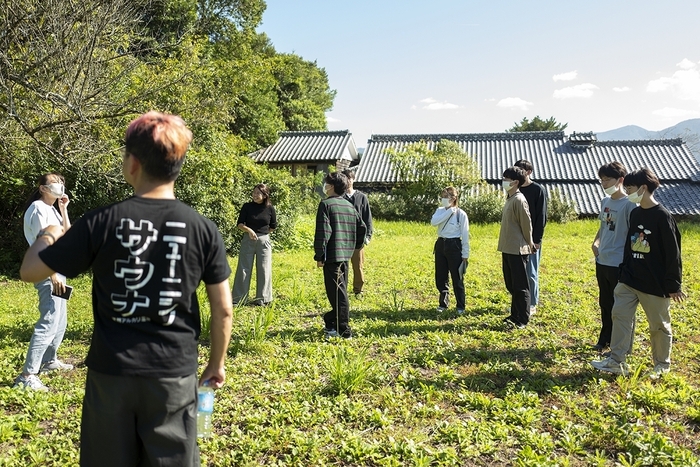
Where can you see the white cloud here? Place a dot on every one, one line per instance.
(670, 112)
(568, 76)
(621, 89)
(683, 84)
(584, 90)
(514, 103)
(332, 120)
(440, 106)
(433, 104)
(685, 64)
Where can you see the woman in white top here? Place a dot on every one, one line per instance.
(451, 249)
(51, 326)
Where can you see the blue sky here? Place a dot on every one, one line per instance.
(450, 66)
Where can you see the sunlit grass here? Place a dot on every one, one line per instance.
(414, 387)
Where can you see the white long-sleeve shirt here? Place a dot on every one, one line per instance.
(453, 223)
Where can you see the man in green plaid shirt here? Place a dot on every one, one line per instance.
(339, 231)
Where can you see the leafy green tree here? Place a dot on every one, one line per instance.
(72, 75)
(537, 124)
(304, 95)
(423, 172)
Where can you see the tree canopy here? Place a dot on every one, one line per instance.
(537, 124)
(425, 170)
(73, 74)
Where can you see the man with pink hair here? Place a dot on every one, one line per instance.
(148, 254)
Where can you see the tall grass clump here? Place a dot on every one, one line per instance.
(349, 371)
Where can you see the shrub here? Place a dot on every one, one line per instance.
(386, 206)
(217, 185)
(562, 209)
(427, 168)
(483, 207)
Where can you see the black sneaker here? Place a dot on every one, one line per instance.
(510, 324)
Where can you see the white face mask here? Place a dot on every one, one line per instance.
(610, 190)
(635, 197)
(445, 202)
(56, 189)
(506, 185)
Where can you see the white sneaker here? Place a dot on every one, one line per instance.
(658, 372)
(29, 382)
(440, 309)
(611, 366)
(330, 333)
(55, 365)
(460, 311)
(533, 309)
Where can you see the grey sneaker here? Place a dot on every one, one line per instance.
(658, 372)
(440, 309)
(533, 309)
(55, 365)
(29, 382)
(460, 311)
(611, 366)
(330, 333)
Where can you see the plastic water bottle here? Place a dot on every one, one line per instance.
(205, 407)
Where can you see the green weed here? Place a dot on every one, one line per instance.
(348, 370)
(413, 387)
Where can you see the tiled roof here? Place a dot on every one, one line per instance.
(309, 146)
(568, 164)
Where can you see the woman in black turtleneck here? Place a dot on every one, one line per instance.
(257, 219)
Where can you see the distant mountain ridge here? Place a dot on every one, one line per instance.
(689, 130)
(685, 129)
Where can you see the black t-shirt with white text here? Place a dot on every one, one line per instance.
(148, 257)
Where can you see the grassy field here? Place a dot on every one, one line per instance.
(415, 387)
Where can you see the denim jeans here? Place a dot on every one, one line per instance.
(48, 330)
(533, 276)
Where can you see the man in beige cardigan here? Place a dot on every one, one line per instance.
(515, 244)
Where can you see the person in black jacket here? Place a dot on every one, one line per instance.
(361, 203)
(650, 275)
(536, 197)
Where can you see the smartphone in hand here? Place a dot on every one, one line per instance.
(65, 295)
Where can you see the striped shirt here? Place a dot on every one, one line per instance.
(339, 230)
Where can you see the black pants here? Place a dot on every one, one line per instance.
(517, 283)
(134, 420)
(335, 278)
(448, 259)
(608, 277)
